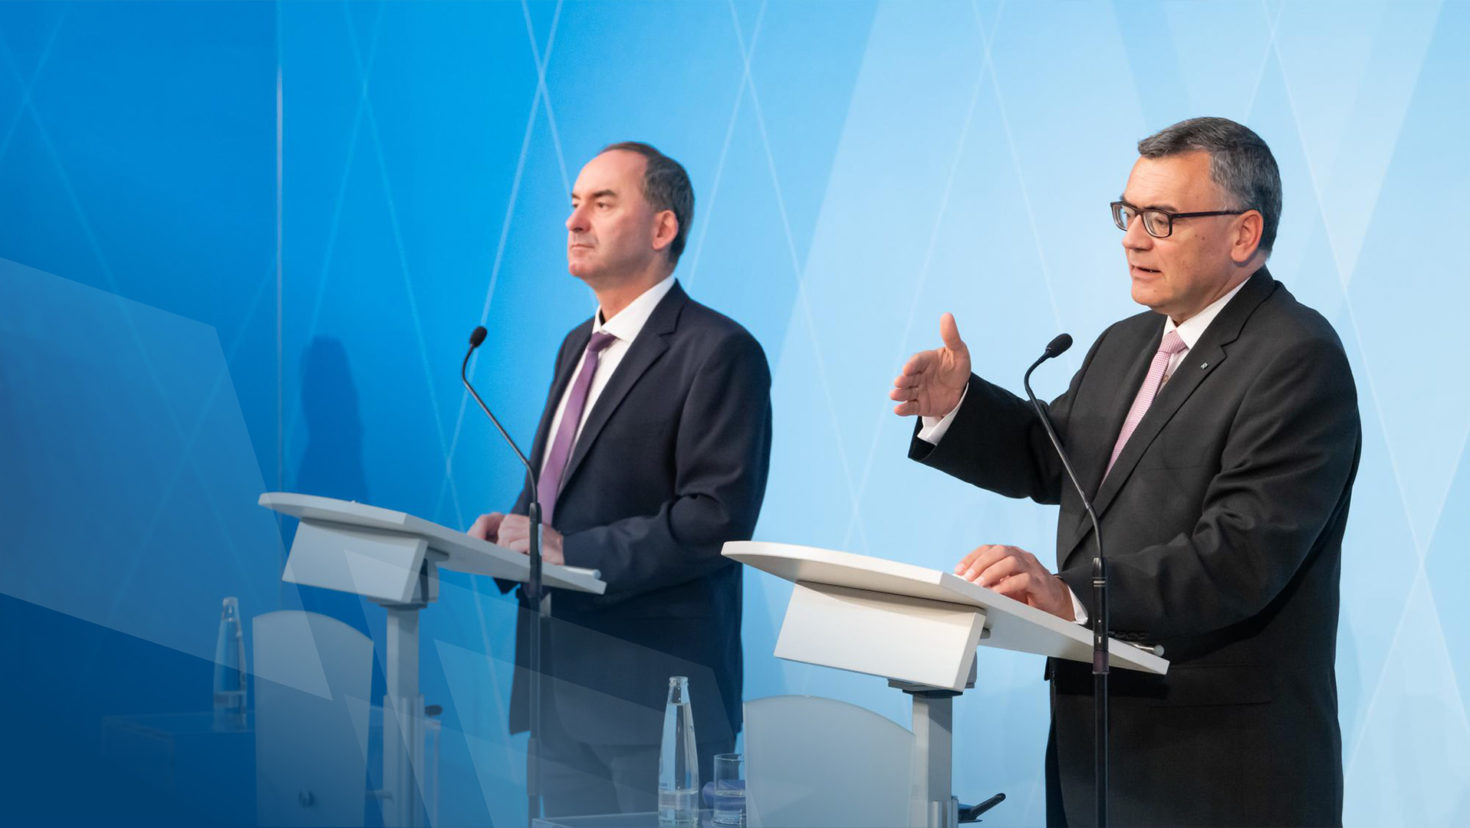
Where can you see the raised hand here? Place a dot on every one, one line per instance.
(932, 382)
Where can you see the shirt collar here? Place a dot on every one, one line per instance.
(1194, 327)
(630, 320)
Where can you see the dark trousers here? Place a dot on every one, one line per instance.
(1056, 814)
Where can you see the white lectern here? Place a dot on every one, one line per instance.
(918, 628)
(394, 558)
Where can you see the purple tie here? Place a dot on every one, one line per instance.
(1171, 345)
(571, 417)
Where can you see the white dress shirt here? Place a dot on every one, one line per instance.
(625, 327)
(1194, 327)
(934, 428)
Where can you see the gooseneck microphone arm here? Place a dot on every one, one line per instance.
(477, 337)
(533, 508)
(533, 589)
(1057, 347)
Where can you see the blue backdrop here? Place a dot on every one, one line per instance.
(244, 244)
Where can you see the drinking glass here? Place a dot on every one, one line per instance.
(729, 793)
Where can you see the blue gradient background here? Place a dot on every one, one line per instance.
(244, 243)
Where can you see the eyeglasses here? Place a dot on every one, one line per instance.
(1158, 223)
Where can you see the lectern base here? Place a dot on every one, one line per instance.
(932, 803)
(403, 709)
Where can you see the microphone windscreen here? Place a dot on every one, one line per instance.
(1059, 345)
(478, 335)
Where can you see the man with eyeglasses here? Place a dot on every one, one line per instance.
(1217, 435)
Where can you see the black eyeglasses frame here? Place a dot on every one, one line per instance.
(1119, 206)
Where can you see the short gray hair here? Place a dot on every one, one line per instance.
(1240, 163)
(666, 186)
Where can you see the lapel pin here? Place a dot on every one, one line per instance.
(1204, 365)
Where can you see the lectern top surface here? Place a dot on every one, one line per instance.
(1009, 624)
(458, 552)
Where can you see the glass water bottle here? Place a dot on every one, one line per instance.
(229, 669)
(678, 759)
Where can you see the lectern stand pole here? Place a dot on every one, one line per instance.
(932, 803)
(402, 741)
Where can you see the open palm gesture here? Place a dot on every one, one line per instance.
(933, 381)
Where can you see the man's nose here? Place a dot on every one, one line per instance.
(1135, 237)
(577, 221)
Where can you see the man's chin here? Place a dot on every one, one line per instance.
(1143, 295)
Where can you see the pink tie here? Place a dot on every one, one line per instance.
(571, 419)
(1171, 345)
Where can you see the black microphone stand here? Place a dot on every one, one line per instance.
(1099, 600)
(534, 592)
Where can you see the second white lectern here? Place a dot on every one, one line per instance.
(394, 558)
(919, 628)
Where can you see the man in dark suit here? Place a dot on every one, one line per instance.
(1218, 437)
(654, 447)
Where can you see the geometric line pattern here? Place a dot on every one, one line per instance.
(861, 167)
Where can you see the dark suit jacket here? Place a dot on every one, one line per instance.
(1222, 522)
(670, 465)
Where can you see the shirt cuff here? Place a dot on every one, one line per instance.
(934, 428)
(1079, 612)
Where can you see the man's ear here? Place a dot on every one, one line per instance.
(665, 229)
(1247, 241)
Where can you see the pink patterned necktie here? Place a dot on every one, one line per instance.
(1171, 345)
(571, 417)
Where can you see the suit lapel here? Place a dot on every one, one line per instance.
(1199, 363)
(645, 350)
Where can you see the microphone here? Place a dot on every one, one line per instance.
(1055, 348)
(477, 337)
(533, 589)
